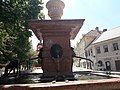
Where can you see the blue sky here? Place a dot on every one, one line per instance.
(97, 13)
(104, 14)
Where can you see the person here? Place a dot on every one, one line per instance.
(39, 46)
(40, 54)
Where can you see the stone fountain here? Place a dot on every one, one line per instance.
(59, 32)
(56, 32)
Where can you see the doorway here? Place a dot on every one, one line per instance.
(108, 65)
(117, 64)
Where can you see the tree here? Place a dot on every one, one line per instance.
(14, 30)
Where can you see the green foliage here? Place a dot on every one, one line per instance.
(14, 31)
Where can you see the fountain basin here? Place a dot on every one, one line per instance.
(103, 84)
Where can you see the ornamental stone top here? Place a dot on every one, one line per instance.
(55, 9)
(73, 25)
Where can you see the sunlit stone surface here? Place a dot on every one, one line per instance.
(55, 9)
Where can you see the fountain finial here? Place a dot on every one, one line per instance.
(55, 9)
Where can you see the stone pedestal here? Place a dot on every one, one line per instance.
(56, 32)
(56, 66)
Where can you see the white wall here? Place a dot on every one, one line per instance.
(111, 55)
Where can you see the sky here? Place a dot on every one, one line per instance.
(104, 14)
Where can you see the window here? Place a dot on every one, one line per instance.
(115, 46)
(105, 47)
(91, 52)
(98, 50)
(100, 63)
(86, 54)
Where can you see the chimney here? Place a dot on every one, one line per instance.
(97, 28)
(104, 30)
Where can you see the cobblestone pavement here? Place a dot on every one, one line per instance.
(76, 69)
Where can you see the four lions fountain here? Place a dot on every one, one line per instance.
(57, 56)
(56, 34)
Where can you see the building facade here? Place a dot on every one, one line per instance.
(107, 50)
(103, 48)
(86, 40)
